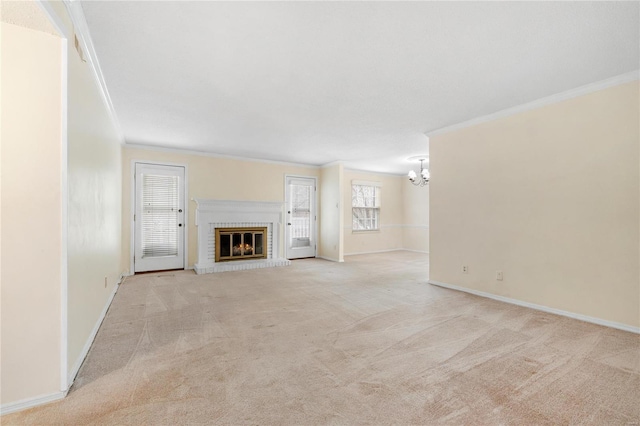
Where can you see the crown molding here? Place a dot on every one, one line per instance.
(81, 29)
(364, 171)
(214, 155)
(254, 160)
(558, 97)
(55, 20)
(332, 163)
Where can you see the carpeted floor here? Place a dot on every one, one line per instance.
(363, 342)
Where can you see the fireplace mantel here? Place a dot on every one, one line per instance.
(212, 214)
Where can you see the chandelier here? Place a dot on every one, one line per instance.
(423, 178)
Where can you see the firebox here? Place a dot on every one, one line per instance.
(241, 243)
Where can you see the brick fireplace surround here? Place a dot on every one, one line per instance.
(212, 214)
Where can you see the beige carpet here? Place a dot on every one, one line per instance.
(364, 342)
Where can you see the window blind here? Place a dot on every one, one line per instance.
(159, 215)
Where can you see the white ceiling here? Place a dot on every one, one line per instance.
(360, 82)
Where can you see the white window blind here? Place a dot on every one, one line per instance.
(159, 215)
(365, 203)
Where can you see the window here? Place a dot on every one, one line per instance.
(300, 231)
(365, 203)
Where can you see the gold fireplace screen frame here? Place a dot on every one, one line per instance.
(242, 231)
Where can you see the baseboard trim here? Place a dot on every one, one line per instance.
(373, 252)
(85, 350)
(31, 402)
(580, 317)
(415, 251)
(385, 251)
(331, 259)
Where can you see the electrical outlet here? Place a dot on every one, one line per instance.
(105, 282)
(499, 276)
(465, 269)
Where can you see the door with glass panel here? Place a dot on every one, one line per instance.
(159, 217)
(300, 228)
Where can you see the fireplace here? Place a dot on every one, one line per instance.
(240, 243)
(238, 217)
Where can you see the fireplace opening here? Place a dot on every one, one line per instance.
(241, 243)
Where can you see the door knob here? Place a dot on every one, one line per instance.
(289, 224)
(179, 224)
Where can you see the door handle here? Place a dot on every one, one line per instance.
(179, 224)
(289, 224)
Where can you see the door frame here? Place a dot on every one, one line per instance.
(317, 211)
(132, 210)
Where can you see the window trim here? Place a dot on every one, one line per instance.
(378, 208)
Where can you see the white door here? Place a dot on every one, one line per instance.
(300, 229)
(159, 217)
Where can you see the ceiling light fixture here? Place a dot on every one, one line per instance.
(423, 178)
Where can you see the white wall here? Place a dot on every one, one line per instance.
(331, 214)
(551, 198)
(94, 175)
(31, 213)
(44, 176)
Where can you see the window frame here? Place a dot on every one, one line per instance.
(377, 188)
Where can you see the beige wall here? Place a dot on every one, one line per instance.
(94, 176)
(331, 214)
(210, 178)
(390, 235)
(548, 196)
(415, 200)
(404, 216)
(31, 213)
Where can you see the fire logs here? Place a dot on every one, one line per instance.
(238, 248)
